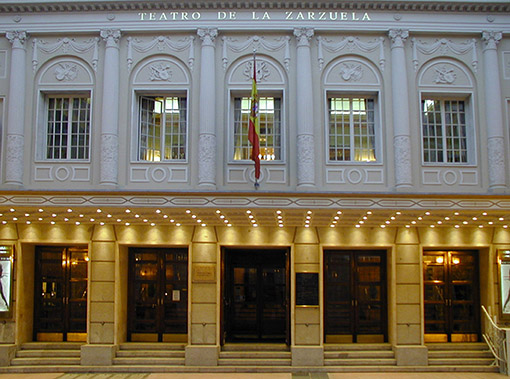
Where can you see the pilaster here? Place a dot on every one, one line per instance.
(305, 114)
(207, 133)
(15, 141)
(110, 109)
(494, 112)
(400, 101)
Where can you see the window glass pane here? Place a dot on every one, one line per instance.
(352, 124)
(270, 128)
(68, 128)
(162, 128)
(444, 131)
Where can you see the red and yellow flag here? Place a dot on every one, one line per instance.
(254, 125)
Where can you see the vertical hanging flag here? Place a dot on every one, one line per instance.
(254, 125)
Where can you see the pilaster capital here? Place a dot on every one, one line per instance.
(111, 37)
(303, 36)
(207, 35)
(17, 38)
(398, 37)
(491, 39)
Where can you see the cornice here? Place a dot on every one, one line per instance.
(20, 6)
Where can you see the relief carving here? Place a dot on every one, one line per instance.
(66, 72)
(445, 75)
(109, 158)
(160, 72)
(305, 154)
(403, 171)
(262, 71)
(14, 159)
(206, 160)
(351, 72)
(496, 152)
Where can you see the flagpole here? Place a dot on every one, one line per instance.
(254, 129)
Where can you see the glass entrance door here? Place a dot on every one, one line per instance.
(60, 306)
(452, 304)
(256, 296)
(355, 307)
(158, 295)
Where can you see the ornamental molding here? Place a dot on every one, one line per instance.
(249, 200)
(398, 37)
(443, 46)
(261, 69)
(162, 43)
(17, 38)
(31, 6)
(350, 43)
(65, 72)
(303, 36)
(65, 45)
(491, 39)
(256, 42)
(208, 36)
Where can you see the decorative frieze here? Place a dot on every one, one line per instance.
(65, 45)
(443, 46)
(256, 42)
(350, 44)
(162, 43)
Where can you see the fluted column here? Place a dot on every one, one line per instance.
(400, 94)
(110, 111)
(494, 112)
(207, 136)
(304, 110)
(16, 110)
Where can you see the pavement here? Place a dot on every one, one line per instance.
(387, 375)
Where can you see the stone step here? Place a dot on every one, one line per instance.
(255, 347)
(255, 355)
(256, 362)
(48, 353)
(48, 361)
(359, 354)
(149, 353)
(152, 346)
(51, 346)
(460, 354)
(360, 362)
(149, 361)
(358, 347)
(461, 361)
(457, 346)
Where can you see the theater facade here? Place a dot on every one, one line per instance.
(129, 210)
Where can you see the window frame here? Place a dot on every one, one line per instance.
(42, 123)
(378, 140)
(138, 94)
(471, 146)
(262, 92)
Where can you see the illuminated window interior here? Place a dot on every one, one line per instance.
(444, 131)
(351, 129)
(270, 128)
(162, 131)
(68, 128)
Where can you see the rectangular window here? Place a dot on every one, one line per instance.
(444, 131)
(68, 127)
(270, 110)
(351, 129)
(162, 128)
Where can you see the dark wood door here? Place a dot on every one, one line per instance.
(256, 296)
(158, 294)
(355, 307)
(60, 306)
(452, 300)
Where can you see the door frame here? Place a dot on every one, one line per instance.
(434, 337)
(223, 287)
(384, 295)
(67, 334)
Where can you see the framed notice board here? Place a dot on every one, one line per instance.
(6, 280)
(307, 288)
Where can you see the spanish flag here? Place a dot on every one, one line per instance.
(254, 125)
